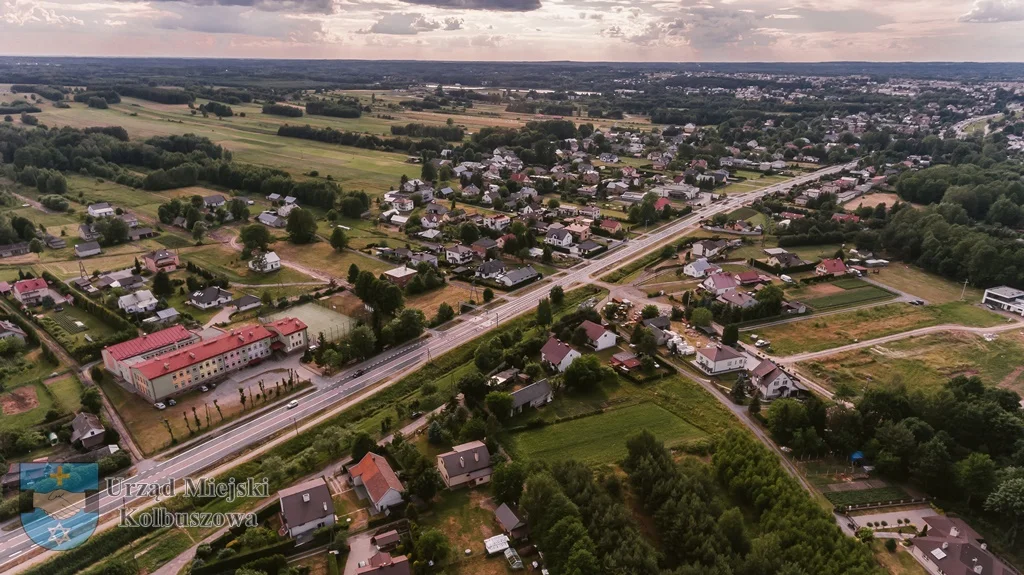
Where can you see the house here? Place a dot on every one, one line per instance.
(719, 283)
(497, 222)
(586, 248)
(1002, 297)
(534, 395)
(458, 254)
(382, 563)
(708, 248)
(290, 200)
(662, 203)
(212, 296)
(274, 198)
(286, 209)
(400, 276)
(466, 464)
(163, 316)
(560, 237)
(611, 226)
(771, 382)
(518, 277)
(625, 361)
(374, 474)
(558, 355)
(433, 221)
(88, 232)
(5, 288)
(843, 218)
(270, 262)
(30, 291)
(715, 360)
(100, 210)
(11, 330)
(402, 203)
(511, 521)
(271, 219)
(423, 257)
(579, 232)
(470, 191)
(138, 302)
(700, 268)
(483, 246)
(446, 192)
(430, 234)
(597, 336)
(142, 233)
(88, 249)
(660, 327)
(17, 249)
(55, 242)
(246, 303)
(490, 269)
(86, 427)
(161, 260)
(737, 299)
(830, 267)
(783, 259)
(949, 546)
(749, 277)
(306, 507)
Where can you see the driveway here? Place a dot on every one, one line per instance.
(360, 549)
(916, 517)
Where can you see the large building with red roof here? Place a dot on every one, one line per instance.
(119, 359)
(183, 368)
(30, 291)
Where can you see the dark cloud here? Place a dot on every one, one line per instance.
(496, 5)
(293, 6)
(994, 11)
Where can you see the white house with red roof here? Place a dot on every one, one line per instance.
(292, 334)
(30, 291)
(720, 359)
(720, 283)
(374, 474)
(772, 382)
(830, 267)
(558, 355)
(597, 336)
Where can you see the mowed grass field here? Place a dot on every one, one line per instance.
(926, 362)
(225, 261)
(927, 286)
(826, 332)
(841, 293)
(602, 438)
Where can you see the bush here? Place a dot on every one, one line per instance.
(890, 545)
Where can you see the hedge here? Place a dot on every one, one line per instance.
(779, 270)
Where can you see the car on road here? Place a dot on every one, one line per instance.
(171, 402)
(293, 404)
(916, 302)
(203, 388)
(358, 372)
(416, 415)
(159, 405)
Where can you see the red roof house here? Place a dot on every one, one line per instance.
(375, 475)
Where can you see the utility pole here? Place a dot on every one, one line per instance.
(963, 292)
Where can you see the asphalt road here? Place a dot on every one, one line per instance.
(233, 440)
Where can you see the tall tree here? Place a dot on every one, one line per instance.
(301, 226)
(544, 316)
(339, 241)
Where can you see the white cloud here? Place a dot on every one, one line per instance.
(405, 24)
(27, 12)
(992, 11)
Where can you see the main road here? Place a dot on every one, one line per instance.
(15, 545)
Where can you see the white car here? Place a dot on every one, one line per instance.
(203, 388)
(250, 202)
(762, 343)
(293, 404)
(159, 406)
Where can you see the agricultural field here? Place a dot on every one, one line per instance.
(598, 438)
(832, 295)
(865, 496)
(835, 330)
(68, 321)
(925, 362)
(872, 200)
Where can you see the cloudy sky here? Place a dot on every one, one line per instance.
(601, 30)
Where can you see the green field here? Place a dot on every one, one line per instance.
(865, 496)
(825, 332)
(94, 327)
(224, 261)
(865, 293)
(26, 405)
(599, 438)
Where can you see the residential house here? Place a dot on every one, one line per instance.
(737, 299)
(616, 188)
(163, 316)
(625, 361)
(518, 277)
(210, 297)
(274, 198)
(749, 277)
(161, 260)
(843, 218)
(382, 563)
(784, 260)
(400, 276)
(306, 507)
(708, 248)
(719, 283)
(286, 209)
(660, 327)
(88, 249)
(611, 226)
(483, 246)
(534, 395)
(466, 464)
(271, 219)
(715, 360)
(10, 329)
(579, 232)
(30, 291)
(1002, 297)
(458, 254)
(830, 267)
(560, 237)
(246, 303)
(270, 262)
(290, 200)
(374, 474)
(16, 249)
(403, 203)
(470, 191)
(949, 546)
(597, 336)
(511, 521)
(772, 382)
(86, 427)
(138, 302)
(5, 288)
(433, 221)
(55, 242)
(700, 268)
(490, 269)
(100, 210)
(423, 257)
(497, 222)
(586, 248)
(592, 212)
(558, 355)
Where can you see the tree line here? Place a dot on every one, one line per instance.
(450, 133)
(342, 109)
(358, 140)
(282, 110)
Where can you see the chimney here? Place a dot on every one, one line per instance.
(977, 568)
(476, 456)
(984, 546)
(325, 506)
(954, 532)
(462, 461)
(305, 498)
(945, 544)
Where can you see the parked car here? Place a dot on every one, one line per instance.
(203, 388)
(916, 302)
(159, 405)
(171, 402)
(293, 404)
(763, 343)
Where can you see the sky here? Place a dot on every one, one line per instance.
(521, 30)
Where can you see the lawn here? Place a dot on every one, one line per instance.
(850, 295)
(899, 563)
(224, 261)
(452, 293)
(599, 438)
(927, 286)
(926, 362)
(323, 258)
(67, 393)
(828, 331)
(864, 496)
(25, 406)
(466, 517)
(94, 327)
(25, 367)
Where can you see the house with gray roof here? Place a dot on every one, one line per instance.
(950, 546)
(466, 464)
(534, 395)
(88, 249)
(306, 507)
(86, 427)
(519, 277)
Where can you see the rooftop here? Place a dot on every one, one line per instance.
(149, 342)
(202, 351)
